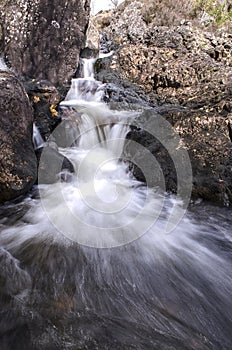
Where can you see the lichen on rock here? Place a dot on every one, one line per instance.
(43, 40)
(18, 170)
(184, 69)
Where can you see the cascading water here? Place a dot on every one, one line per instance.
(37, 138)
(3, 66)
(153, 290)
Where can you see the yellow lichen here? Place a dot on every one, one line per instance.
(53, 111)
(36, 99)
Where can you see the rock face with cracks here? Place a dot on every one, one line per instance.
(42, 39)
(183, 70)
(41, 42)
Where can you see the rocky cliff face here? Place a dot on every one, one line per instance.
(185, 70)
(41, 42)
(43, 39)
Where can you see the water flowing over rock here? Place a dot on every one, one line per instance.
(165, 285)
(43, 39)
(13, 279)
(53, 165)
(186, 72)
(18, 170)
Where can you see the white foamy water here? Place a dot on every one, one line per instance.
(155, 289)
(37, 138)
(102, 205)
(3, 66)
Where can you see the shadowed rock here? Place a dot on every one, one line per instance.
(53, 166)
(44, 98)
(18, 168)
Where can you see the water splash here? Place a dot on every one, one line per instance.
(161, 291)
(3, 66)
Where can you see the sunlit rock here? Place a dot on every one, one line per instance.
(43, 39)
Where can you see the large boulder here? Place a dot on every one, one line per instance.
(18, 167)
(53, 166)
(43, 39)
(185, 69)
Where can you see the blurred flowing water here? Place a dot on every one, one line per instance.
(89, 264)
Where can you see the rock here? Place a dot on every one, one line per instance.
(124, 97)
(204, 139)
(205, 135)
(1, 37)
(53, 166)
(44, 98)
(146, 149)
(42, 40)
(92, 40)
(185, 72)
(18, 170)
(119, 93)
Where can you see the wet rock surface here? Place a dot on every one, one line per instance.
(13, 279)
(184, 72)
(53, 166)
(18, 169)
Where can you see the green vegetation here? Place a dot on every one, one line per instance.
(168, 12)
(219, 11)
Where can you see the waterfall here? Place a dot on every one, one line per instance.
(98, 126)
(103, 187)
(88, 263)
(37, 138)
(89, 68)
(86, 88)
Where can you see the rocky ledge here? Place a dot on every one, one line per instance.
(183, 71)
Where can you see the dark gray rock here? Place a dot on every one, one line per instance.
(53, 166)
(44, 98)
(18, 167)
(13, 279)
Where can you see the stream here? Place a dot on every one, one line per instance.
(89, 262)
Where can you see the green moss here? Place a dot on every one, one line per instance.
(220, 11)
